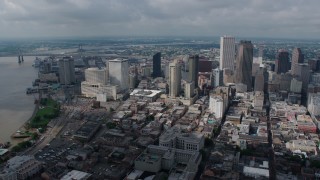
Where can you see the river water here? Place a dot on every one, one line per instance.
(15, 106)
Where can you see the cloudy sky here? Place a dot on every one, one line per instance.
(246, 18)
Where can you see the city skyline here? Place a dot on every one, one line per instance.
(285, 19)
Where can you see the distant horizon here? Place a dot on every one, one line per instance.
(183, 37)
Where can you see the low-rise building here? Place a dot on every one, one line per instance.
(255, 172)
(145, 94)
(156, 158)
(20, 167)
(87, 130)
(258, 100)
(174, 138)
(90, 89)
(305, 124)
(302, 145)
(78, 175)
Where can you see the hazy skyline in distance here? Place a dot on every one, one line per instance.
(249, 18)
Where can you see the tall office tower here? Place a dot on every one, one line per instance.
(194, 69)
(174, 79)
(259, 80)
(227, 52)
(96, 75)
(66, 71)
(156, 65)
(228, 76)
(244, 64)
(260, 55)
(205, 65)
(314, 64)
(118, 73)
(132, 81)
(295, 85)
(297, 58)
(217, 77)
(189, 89)
(282, 62)
(303, 73)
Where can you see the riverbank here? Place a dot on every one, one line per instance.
(45, 110)
(15, 106)
(20, 133)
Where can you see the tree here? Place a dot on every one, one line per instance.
(150, 118)
(34, 136)
(315, 163)
(37, 119)
(111, 125)
(43, 101)
(208, 142)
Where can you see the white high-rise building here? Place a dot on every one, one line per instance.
(174, 79)
(216, 106)
(227, 52)
(189, 89)
(96, 85)
(96, 75)
(119, 73)
(66, 71)
(217, 77)
(314, 104)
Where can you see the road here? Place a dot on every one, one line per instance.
(47, 137)
(208, 150)
(58, 124)
(272, 169)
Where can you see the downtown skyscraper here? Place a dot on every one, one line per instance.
(66, 71)
(282, 64)
(194, 69)
(244, 64)
(156, 65)
(297, 58)
(118, 73)
(227, 52)
(174, 79)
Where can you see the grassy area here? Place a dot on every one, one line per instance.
(48, 110)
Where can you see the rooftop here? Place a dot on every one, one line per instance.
(3, 151)
(76, 175)
(145, 92)
(148, 158)
(258, 171)
(118, 60)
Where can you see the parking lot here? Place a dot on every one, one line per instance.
(55, 152)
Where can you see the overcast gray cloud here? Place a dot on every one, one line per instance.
(259, 18)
